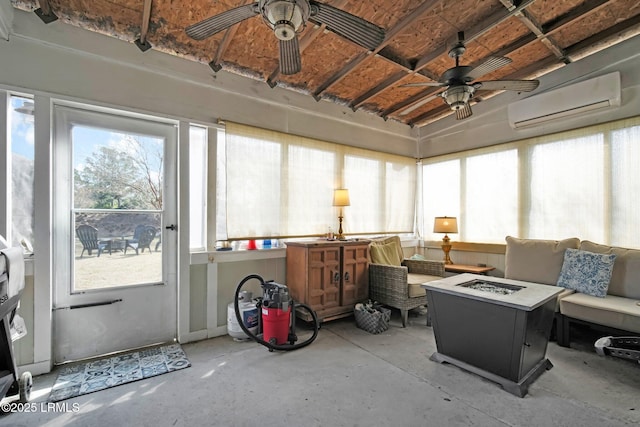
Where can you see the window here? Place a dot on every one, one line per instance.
(197, 188)
(282, 185)
(582, 183)
(22, 172)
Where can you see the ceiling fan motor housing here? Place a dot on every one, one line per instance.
(458, 96)
(285, 17)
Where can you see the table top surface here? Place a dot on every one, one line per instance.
(461, 268)
(528, 297)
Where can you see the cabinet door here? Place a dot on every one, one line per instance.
(355, 274)
(324, 277)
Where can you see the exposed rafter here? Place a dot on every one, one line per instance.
(142, 42)
(45, 13)
(215, 63)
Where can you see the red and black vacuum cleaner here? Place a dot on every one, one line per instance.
(277, 322)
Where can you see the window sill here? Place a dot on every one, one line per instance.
(234, 256)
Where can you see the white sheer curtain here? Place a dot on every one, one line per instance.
(625, 160)
(441, 188)
(567, 189)
(282, 185)
(583, 183)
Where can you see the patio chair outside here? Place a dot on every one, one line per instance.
(143, 235)
(88, 236)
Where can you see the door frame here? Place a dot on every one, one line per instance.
(65, 115)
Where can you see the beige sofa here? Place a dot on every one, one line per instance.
(541, 261)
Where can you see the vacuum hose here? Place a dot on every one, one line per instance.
(270, 345)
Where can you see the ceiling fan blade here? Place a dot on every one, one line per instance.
(464, 112)
(290, 62)
(419, 104)
(516, 85)
(222, 21)
(422, 84)
(491, 64)
(349, 26)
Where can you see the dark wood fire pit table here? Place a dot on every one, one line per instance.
(493, 327)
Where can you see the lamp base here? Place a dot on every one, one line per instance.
(340, 236)
(446, 247)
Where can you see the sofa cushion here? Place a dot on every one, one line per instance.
(386, 253)
(586, 272)
(613, 311)
(625, 278)
(538, 261)
(415, 280)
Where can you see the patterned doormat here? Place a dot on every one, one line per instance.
(84, 378)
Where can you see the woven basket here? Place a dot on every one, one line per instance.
(373, 322)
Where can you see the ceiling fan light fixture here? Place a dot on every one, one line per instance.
(458, 96)
(285, 17)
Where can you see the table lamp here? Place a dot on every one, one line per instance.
(340, 198)
(445, 224)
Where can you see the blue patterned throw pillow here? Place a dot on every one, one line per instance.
(586, 272)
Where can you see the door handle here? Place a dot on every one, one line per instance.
(346, 276)
(172, 227)
(336, 277)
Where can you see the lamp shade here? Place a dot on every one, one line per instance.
(445, 224)
(341, 197)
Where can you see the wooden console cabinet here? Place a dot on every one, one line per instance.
(328, 276)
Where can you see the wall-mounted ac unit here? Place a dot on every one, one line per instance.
(579, 98)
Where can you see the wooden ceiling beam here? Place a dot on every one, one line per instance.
(425, 7)
(585, 9)
(586, 46)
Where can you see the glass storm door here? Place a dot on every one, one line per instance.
(114, 244)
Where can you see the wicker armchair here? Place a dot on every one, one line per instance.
(398, 286)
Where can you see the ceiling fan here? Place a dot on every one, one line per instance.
(287, 18)
(458, 82)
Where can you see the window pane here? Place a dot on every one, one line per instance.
(491, 202)
(253, 172)
(567, 190)
(625, 166)
(363, 178)
(400, 190)
(310, 211)
(117, 201)
(197, 187)
(441, 183)
(221, 186)
(22, 155)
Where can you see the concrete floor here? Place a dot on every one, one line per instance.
(349, 377)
